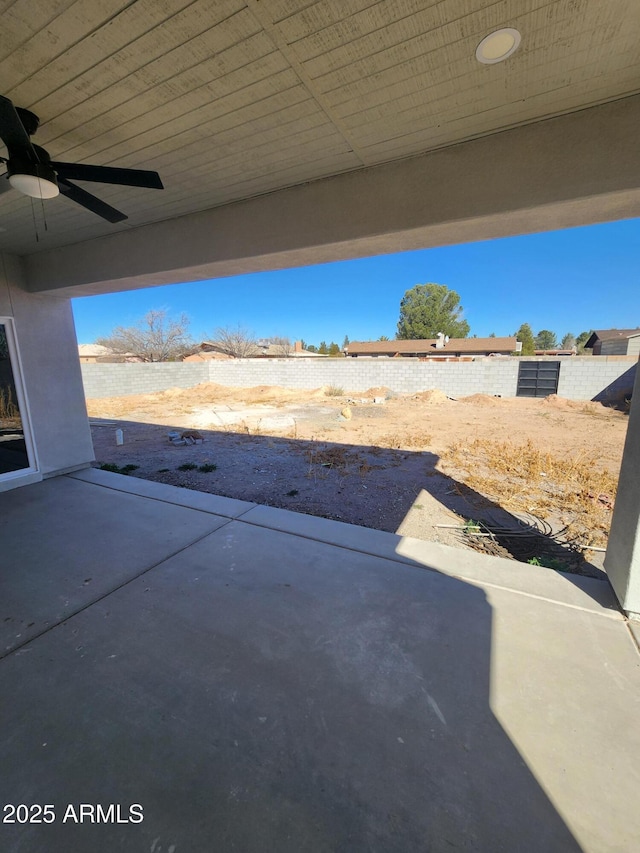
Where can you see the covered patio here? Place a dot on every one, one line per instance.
(257, 679)
(253, 679)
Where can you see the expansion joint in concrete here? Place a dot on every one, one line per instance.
(109, 592)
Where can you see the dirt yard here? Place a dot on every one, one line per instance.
(532, 479)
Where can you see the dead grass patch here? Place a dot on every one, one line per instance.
(570, 491)
(405, 440)
(334, 391)
(330, 457)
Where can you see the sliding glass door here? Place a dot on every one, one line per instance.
(17, 456)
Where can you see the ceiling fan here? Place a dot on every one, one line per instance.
(32, 172)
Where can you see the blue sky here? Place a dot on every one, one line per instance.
(566, 281)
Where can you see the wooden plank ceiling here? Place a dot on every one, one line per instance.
(231, 99)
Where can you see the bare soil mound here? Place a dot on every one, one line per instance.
(588, 407)
(481, 400)
(377, 391)
(210, 392)
(433, 395)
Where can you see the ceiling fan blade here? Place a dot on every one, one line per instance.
(109, 175)
(12, 131)
(95, 205)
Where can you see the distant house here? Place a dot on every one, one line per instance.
(268, 349)
(556, 352)
(212, 350)
(97, 354)
(91, 353)
(434, 347)
(614, 342)
(299, 352)
(207, 355)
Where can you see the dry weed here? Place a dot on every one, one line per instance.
(330, 457)
(365, 467)
(574, 491)
(8, 408)
(245, 428)
(405, 440)
(334, 391)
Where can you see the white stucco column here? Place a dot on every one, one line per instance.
(622, 560)
(50, 370)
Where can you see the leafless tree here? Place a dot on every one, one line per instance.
(157, 337)
(237, 342)
(282, 346)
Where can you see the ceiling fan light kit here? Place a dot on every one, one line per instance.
(33, 179)
(31, 171)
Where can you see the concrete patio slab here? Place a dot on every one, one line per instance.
(263, 690)
(588, 593)
(66, 543)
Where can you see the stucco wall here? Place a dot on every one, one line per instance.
(46, 341)
(580, 379)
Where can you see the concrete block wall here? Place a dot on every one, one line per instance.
(123, 380)
(404, 376)
(603, 378)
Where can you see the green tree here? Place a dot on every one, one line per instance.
(345, 342)
(546, 339)
(334, 349)
(492, 335)
(311, 348)
(568, 342)
(383, 338)
(323, 349)
(525, 336)
(427, 309)
(581, 340)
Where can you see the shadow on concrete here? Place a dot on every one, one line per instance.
(255, 691)
(358, 484)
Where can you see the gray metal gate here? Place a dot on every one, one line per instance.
(538, 378)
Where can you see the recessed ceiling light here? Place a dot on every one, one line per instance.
(498, 46)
